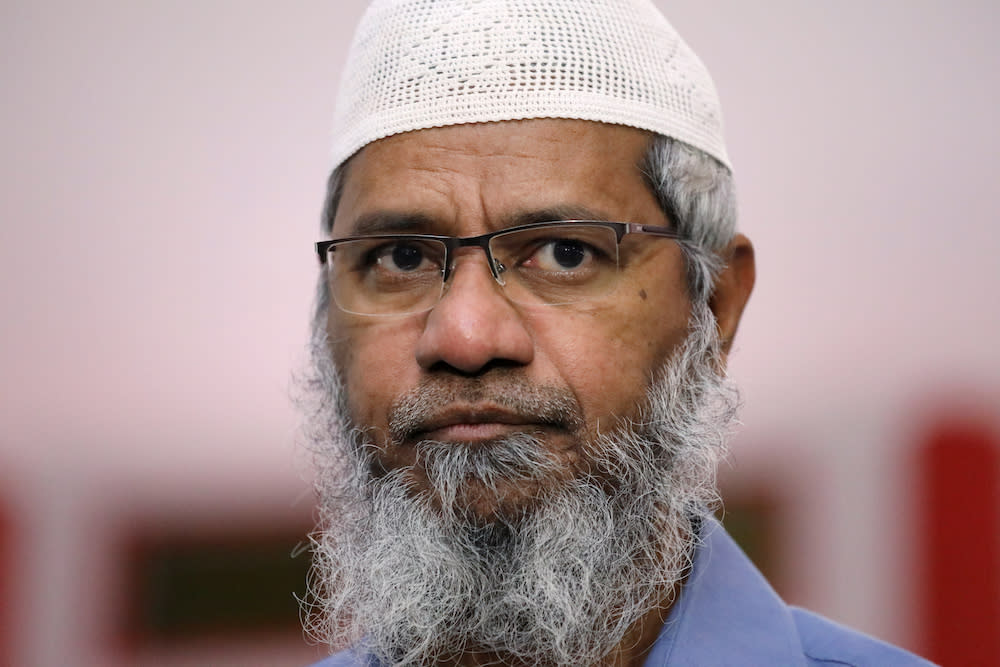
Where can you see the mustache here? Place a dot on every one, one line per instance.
(498, 396)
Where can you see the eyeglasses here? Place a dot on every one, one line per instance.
(547, 263)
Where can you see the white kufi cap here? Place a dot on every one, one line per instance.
(428, 63)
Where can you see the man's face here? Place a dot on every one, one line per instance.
(486, 361)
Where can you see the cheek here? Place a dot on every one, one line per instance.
(656, 307)
(608, 353)
(375, 358)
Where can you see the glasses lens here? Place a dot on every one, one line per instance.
(559, 263)
(386, 275)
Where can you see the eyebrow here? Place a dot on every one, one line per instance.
(554, 214)
(390, 222)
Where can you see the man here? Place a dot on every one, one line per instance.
(524, 311)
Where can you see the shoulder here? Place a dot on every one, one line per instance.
(347, 658)
(727, 614)
(825, 642)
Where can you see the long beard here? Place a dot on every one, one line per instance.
(418, 582)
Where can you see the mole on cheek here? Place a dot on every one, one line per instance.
(642, 294)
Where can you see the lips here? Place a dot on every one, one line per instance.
(454, 409)
(476, 422)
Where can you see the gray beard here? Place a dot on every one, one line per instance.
(420, 581)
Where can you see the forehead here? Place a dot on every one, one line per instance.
(487, 175)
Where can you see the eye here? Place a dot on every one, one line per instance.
(402, 257)
(562, 255)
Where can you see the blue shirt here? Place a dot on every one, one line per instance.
(729, 616)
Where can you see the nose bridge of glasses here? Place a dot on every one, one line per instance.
(465, 246)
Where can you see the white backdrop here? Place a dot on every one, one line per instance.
(163, 167)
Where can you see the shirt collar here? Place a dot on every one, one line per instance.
(727, 613)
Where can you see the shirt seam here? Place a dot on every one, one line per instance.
(832, 661)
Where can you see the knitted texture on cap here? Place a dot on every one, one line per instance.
(417, 64)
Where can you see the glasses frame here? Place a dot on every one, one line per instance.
(453, 243)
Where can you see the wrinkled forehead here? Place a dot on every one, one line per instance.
(488, 176)
(417, 64)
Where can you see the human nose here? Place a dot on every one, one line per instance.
(474, 324)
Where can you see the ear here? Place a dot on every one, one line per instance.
(732, 289)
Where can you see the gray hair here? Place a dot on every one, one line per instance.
(694, 190)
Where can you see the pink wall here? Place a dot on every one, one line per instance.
(162, 171)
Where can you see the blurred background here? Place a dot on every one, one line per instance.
(163, 166)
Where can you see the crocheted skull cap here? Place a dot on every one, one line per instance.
(428, 63)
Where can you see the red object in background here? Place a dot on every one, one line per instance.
(959, 473)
